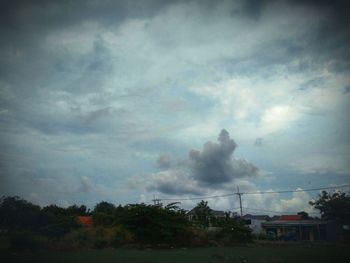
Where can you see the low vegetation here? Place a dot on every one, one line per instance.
(27, 226)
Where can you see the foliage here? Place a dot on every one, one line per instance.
(104, 207)
(235, 229)
(57, 227)
(202, 214)
(103, 219)
(304, 215)
(333, 205)
(26, 240)
(154, 224)
(18, 213)
(114, 226)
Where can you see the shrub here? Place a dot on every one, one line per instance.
(26, 240)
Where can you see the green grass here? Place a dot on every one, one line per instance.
(270, 253)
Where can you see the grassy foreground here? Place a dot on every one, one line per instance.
(270, 253)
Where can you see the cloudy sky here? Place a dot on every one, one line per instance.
(126, 100)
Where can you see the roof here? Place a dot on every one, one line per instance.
(293, 223)
(290, 217)
(257, 217)
(85, 220)
(218, 213)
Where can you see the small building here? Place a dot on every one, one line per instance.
(254, 222)
(191, 215)
(85, 221)
(296, 229)
(212, 218)
(219, 214)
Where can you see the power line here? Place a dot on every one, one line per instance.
(254, 193)
(297, 190)
(272, 211)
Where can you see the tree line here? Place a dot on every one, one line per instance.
(24, 224)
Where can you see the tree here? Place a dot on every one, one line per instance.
(304, 215)
(154, 224)
(104, 207)
(235, 229)
(18, 213)
(202, 213)
(104, 214)
(333, 206)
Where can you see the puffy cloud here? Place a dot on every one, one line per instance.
(83, 85)
(215, 165)
(278, 118)
(203, 172)
(173, 182)
(337, 163)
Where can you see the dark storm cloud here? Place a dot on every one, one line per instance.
(204, 170)
(327, 43)
(338, 9)
(63, 73)
(18, 14)
(253, 8)
(333, 38)
(215, 163)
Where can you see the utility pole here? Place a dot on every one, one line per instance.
(155, 200)
(240, 200)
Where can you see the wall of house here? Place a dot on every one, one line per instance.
(256, 227)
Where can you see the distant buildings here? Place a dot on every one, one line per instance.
(254, 222)
(287, 227)
(85, 221)
(297, 228)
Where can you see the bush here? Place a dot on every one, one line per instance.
(59, 226)
(153, 224)
(235, 230)
(99, 237)
(26, 240)
(192, 236)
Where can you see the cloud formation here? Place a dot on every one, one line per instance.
(100, 88)
(202, 172)
(215, 164)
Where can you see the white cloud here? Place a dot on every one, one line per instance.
(323, 163)
(278, 118)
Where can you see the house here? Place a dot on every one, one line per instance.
(254, 222)
(293, 227)
(191, 215)
(218, 214)
(85, 221)
(212, 217)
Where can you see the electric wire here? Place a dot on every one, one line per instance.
(255, 193)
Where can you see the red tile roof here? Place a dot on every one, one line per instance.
(291, 217)
(85, 220)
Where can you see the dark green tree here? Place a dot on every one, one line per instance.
(235, 229)
(75, 210)
(333, 206)
(202, 214)
(20, 214)
(304, 215)
(154, 224)
(104, 214)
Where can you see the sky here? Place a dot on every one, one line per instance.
(124, 101)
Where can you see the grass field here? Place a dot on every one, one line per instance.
(270, 253)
